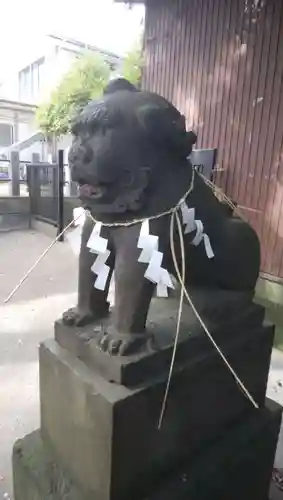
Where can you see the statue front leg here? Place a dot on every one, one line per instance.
(92, 303)
(126, 334)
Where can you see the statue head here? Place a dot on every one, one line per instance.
(119, 84)
(122, 143)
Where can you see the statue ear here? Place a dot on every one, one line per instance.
(167, 128)
(159, 123)
(192, 138)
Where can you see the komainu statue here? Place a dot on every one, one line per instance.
(130, 158)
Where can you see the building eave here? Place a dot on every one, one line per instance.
(17, 106)
(82, 45)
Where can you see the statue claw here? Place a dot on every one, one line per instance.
(117, 344)
(79, 317)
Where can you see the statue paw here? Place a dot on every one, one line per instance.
(78, 317)
(117, 344)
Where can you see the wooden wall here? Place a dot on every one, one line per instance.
(221, 63)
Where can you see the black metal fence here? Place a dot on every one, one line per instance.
(52, 194)
(13, 176)
(46, 184)
(5, 173)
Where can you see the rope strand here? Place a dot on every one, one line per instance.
(163, 408)
(216, 189)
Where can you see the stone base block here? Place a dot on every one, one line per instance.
(236, 466)
(106, 435)
(230, 329)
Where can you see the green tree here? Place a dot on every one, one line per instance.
(132, 64)
(85, 81)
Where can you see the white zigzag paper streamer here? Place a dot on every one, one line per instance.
(97, 244)
(74, 237)
(79, 215)
(101, 269)
(192, 224)
(188, 215)
(155, 273)
(147, 242)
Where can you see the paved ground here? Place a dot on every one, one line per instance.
(24, 322)
(275, 391)
(5, 189)
(28, 319)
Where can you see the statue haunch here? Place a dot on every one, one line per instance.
(130, 158)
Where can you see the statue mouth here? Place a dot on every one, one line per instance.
(95, 193)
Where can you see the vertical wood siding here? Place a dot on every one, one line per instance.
(221, 63)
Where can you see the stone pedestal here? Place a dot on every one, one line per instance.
(237, 465)
(99, 440)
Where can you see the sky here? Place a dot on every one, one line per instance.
(103, 23)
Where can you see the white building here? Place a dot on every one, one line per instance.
(32, 84)
(18, 130)
(17, 121)
(52, 58)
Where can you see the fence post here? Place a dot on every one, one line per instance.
(35, 158)
(55, 179)
(74, 189)
(33, 181)
(15, 174)
(72, 186)
(67, 174)
(60, 183)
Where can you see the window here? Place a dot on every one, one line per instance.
(25, 84)
(6, 134)
(30, 81)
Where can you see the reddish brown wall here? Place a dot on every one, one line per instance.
(221, 63)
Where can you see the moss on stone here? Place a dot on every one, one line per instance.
(37, 475)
